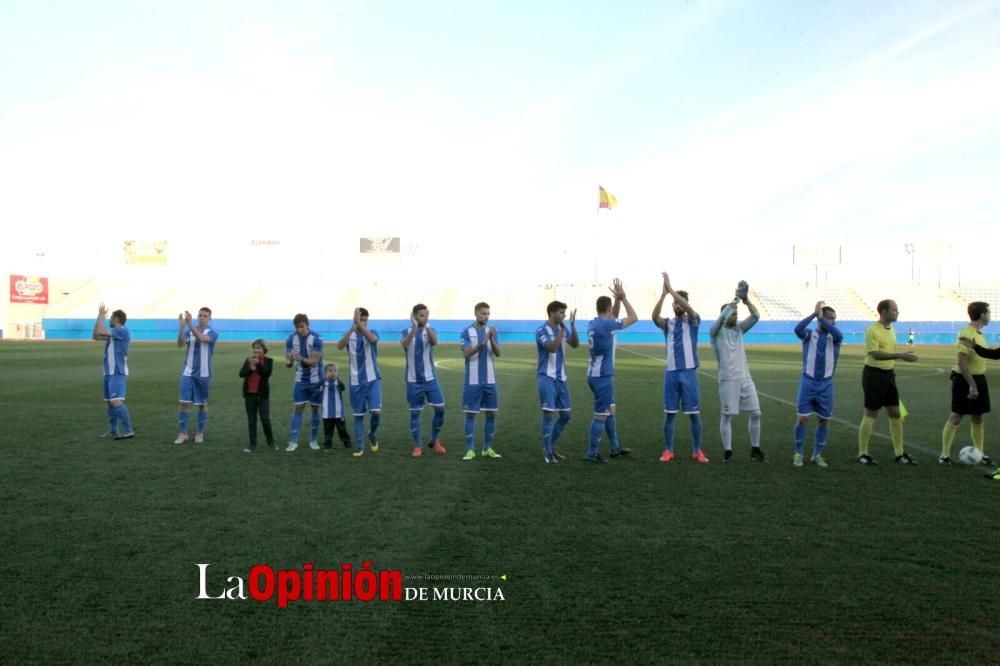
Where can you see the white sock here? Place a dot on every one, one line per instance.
(726, 428)
(754, 429)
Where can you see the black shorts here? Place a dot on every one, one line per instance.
(960, 403)
(880, 388)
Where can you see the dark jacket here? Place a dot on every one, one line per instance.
(264, 390)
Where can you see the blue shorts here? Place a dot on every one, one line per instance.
(603, 389)
(681, 391)
(366, 397)
(311, 393)
(194, 389)
(554, 395)
(480, 396)
(815, 397)
(114, 387)
(420, 393)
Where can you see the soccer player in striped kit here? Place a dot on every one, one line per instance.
(480, 344)
(366, 384)
(601, 339)
(820, 351)
(116, 344)
(551, 339)
(418, 341)
(196, 377)
(304, 350)
(680, 379)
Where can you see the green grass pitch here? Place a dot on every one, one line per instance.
(629, 561)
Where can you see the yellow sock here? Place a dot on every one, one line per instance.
(979, 436)
(947, 437)
(865, 434)
(896, 431)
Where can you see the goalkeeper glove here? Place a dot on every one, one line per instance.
(742, 290)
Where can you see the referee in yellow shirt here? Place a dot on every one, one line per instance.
(970, 395)
(993, 354)
(879, 383)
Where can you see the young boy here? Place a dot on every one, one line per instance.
(333, 409)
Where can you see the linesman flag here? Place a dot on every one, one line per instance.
(605, 199)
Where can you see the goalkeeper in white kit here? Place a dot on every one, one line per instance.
(736, 388)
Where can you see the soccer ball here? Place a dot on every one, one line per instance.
(970, 455)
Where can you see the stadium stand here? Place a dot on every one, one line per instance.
(78, 297)
(154, 298)
(989, 294)
(916, 303)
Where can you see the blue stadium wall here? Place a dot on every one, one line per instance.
(765, 332)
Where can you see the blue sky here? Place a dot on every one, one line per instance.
(722, 127)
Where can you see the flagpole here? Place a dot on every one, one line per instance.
(597, 228)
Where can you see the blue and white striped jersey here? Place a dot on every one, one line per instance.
(550, 364)
(364, 358)
(478, 367)
(304, 345)
(681, 337)
(820, 348)
(419, 356)
(333, 399)
(198, 359)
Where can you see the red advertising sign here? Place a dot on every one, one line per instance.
(29, 289)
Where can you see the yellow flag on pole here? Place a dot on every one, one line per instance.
(605, 199)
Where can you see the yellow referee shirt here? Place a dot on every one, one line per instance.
(977, 364)
(881, 338)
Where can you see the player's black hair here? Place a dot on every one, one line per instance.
(883, 306)
(826, 310)
(362, 312)
(208, 310)
(480, 305)
(120, 316)
(977, 309)
(418, 307)
(603, 304)
(555, 306)
(682, 293)
(328, 366)
(300, 319)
